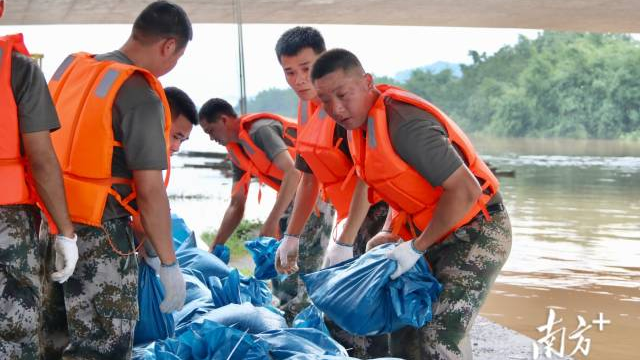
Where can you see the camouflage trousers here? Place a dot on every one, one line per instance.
(313, 243)
(467, 264)
(21, 282)
(364, 347)
(93, 314)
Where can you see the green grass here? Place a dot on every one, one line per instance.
(247, 230)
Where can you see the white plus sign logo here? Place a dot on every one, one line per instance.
(601, 322)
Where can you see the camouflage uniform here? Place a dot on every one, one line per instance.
(101, 297)
(466, 263)
(21, 278)
(313, 243)
(364, 347)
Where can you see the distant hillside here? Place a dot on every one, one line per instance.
(434, 68)
(280, 101)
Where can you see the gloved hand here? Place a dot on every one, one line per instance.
(406, 256)
(336, 253)
(66, 257)
(154, 262)
(287, 255)
(175, 290)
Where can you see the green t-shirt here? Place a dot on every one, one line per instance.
(138, 122)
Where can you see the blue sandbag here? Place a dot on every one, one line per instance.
(263, 250)
(376, 304)
(245, 317)
(222, 252)
(210, 341)
(180, 230)
(153, 324)
(198, 301)
(235, 289)
(202, 261)
(285, 343)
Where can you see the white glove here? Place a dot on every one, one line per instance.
(406, 256)
(287, 253)
(153, 262)
(66, 257)
(336, 253)
(175, 290)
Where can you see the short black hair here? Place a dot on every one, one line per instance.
(214, 108)
(298, 38)
(333, 60)
(162, 19)
(181, 104)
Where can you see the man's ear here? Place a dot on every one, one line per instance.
(169, 46)
(369, 81)
(1, 8)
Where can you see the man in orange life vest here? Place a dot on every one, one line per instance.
(31, 177)
(184, 116)
(113, 147)
(325, 162)
(445, 200)
(259, 145)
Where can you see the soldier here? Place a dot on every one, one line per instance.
(113, 147)
(445, 200)
(325, 162)
(184, 116)
(30, 175)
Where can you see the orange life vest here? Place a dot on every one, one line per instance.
(332, 167)
(84, 90)
(252, 160)
(14, 175)
(401, 186)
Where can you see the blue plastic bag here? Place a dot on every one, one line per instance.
(311, 317)
(153, 324)
(202, 261)
(222, 252)
(263, 250)
(198, 301)
(235, 289)
(209, 340)
(245, 317)
(285, 343)
(179, 229)
(376, 304)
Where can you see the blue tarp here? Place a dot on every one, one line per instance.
(359, 296)
(263, 250)
(153, 324)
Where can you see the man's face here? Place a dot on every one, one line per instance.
(297, 71)
(346, 97)
(218, 131)
(180, 131)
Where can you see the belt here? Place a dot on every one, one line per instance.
(492, 209)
